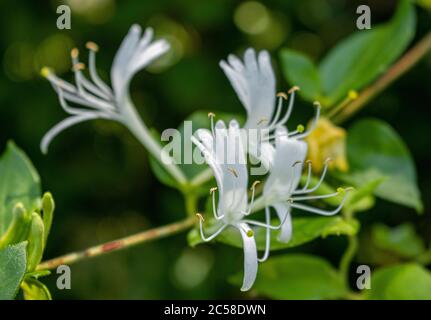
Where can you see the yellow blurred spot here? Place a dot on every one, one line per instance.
(45, 72)
(54, 51)
(327, 141)
(353, 95)
(300, 128)
(250, 233)
(252, 17)
(94, 11)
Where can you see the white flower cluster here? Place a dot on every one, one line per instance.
(280, 151)
(283, 153)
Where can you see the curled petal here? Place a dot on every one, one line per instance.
(250, 256)
(63, 125)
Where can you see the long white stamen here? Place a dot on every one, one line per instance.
(320, 211)
(66, 123)
(216, 216)
(93, 48)
(211, 116)
(307, 183)
(281, 97)
(314, 124)
(322, 177)
(211, 237)
(289, 108)
(316, 197)
(253, 191)
(77, 67)
(65, 106)
(266, 225)
(268, 236)
(56, 81)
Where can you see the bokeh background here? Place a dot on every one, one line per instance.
(99, 174)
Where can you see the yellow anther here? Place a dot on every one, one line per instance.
(308, 161)
(250, 233)
(293, 89)
(282, 95)
(341, 190)
(349, 189)
(212, 190)
(352, 95)
(201, 218)
(45, 72)
(92, 46)
(262, 121)
(254, 184)
(74, 53)
(328, 160)
(211, 115)
(296, 162)
(300, 128)
(78, 66)
(317, 104)
(233, 171)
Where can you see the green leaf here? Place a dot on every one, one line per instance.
(297, 276)
(19, 182)
(305, 229)
(299, 70)
(375, 150)
(161, 174)
(362, 199)
(12, 269)
(363, 56)
(401, 282)
(35, 290)
(401, 240)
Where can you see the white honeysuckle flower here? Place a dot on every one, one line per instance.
(224, 153)
(283, 181)
(96, 100)
(254, 82)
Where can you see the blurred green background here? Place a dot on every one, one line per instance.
(99, 174)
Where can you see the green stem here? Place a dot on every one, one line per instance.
(404, 64)
(191, 203)
(119, 244)
(346, 259)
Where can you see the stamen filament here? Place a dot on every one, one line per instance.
(93, 48)
(320, 211)
(322, 177)
(314, 124)
(211, 237)
(216, 216)
(268, 236)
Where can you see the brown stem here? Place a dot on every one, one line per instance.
(399, 68)
(119, 244)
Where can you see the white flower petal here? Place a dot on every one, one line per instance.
(122, 58)
(134, 54)
(254, 83)
(282, 209)
(250, 257)
(66, 123)
(285, 175)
